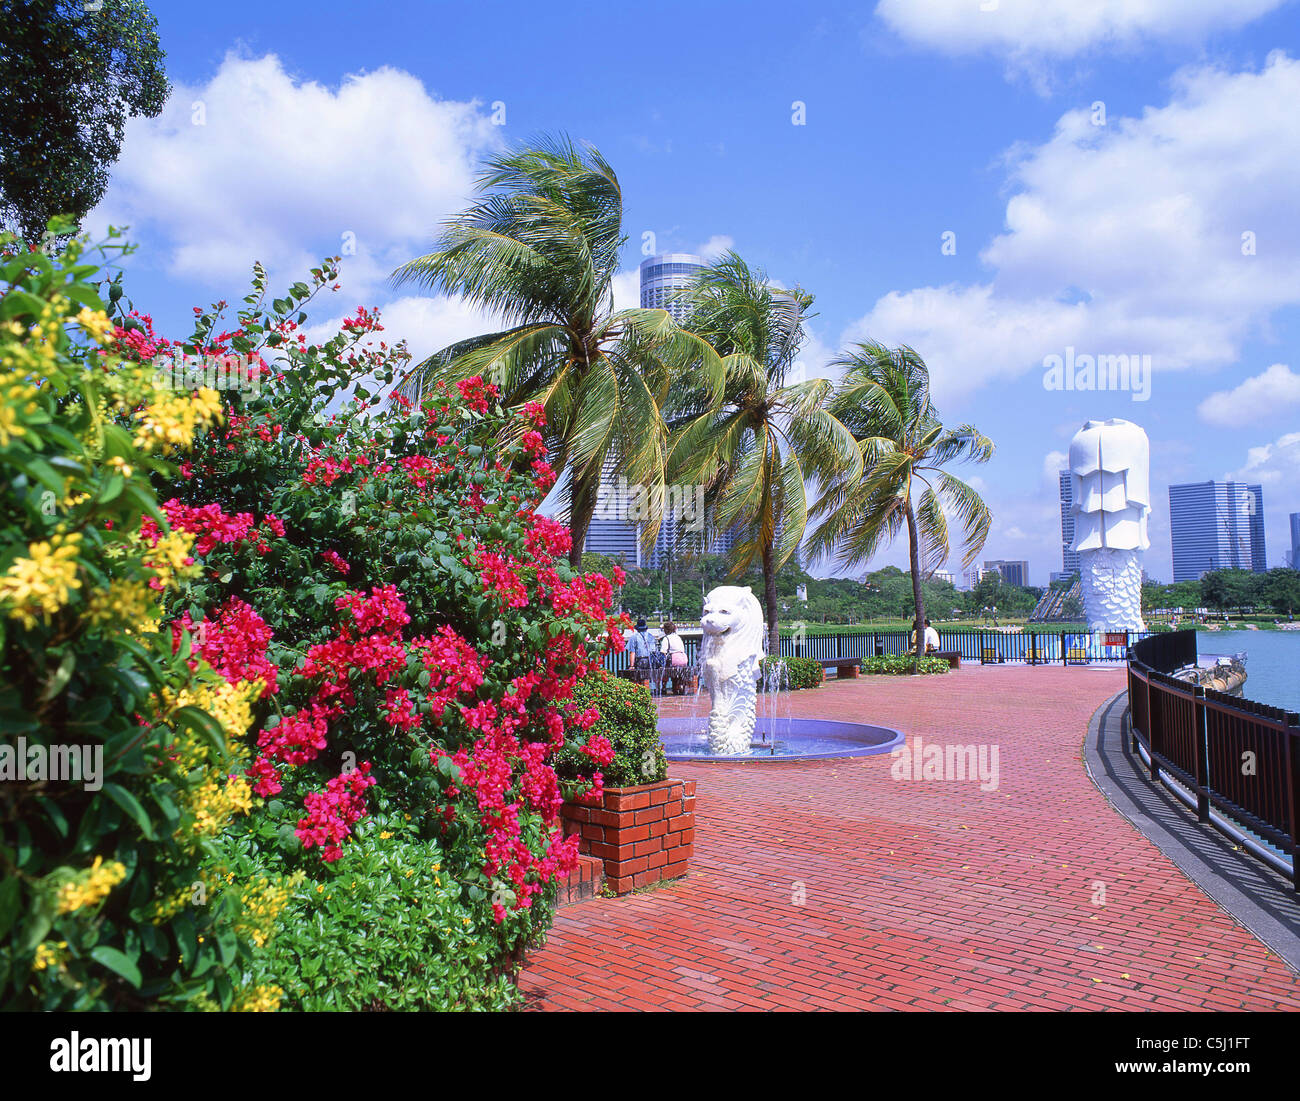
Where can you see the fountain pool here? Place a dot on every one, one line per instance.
(780, 739)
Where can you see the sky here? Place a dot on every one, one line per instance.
(993, 182)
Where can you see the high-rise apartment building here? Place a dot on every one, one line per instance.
(1069, 558)
(1216, 526)
(1014, 572)
(1295, 540)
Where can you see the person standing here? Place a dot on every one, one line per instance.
(674, 650)
(641, 647)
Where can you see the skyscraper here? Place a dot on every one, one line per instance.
(1295, 540)
(611, 532)
(1216, 526)
(1069, 558)
(665, 274)
(1014, 572)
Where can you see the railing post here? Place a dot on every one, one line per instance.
(1064, 650)
(1293, 793)
(1150, 732)
(1202, 755)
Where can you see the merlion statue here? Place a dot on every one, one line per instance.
(1110, 474)
(730, 657)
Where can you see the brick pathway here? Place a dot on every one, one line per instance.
(917, 894)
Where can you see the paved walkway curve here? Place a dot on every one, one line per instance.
(832, 885)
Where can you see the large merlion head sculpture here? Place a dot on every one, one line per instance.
(731, 653)
(1110, 483)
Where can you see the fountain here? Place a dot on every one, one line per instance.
(743, 722)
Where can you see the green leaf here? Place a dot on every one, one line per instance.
(117, 962)
(131, 805)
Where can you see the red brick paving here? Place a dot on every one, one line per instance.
(930, 895)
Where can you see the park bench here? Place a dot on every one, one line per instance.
(952, 657)
(844, 667)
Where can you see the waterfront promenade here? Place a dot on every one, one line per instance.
(834, 885)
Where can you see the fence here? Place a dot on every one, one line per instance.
(986, 647)
(1239, 757)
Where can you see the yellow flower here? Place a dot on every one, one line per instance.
(257, 999)
(384, 835)
(96, 323)
(91, 886)
(43, 581)
(47, 956)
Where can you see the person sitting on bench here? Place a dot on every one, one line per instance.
(931, 639)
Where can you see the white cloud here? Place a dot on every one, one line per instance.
(1128, 239)
(715, 246)
(282, 170)
(1277, 463)
(1020, 29)
(1260, 396)
(1053, 463)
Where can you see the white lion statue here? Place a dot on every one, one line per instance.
(730, 656)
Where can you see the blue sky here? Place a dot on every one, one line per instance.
(1096, 164)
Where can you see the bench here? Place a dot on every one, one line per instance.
(844, 667)
(989, 656)
(1076, 655)
(952, 657)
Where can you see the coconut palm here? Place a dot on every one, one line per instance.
(754, 450)
(884, 399)
(540, 247)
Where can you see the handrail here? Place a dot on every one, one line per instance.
(1240, 757)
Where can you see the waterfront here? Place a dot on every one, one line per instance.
(1272, 662)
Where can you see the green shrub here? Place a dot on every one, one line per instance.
(903, 665)
(802, 672)
(629, 722)
(388, 928)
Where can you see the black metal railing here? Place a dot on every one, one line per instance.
(988, 647)
(1237, 756)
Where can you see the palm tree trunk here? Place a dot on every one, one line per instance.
(914, 557)
(769, 598)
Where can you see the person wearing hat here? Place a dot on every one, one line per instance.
(640, 647)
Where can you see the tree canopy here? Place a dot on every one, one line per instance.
(73, 75)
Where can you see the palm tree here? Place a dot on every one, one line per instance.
(755, 449)
(884, 399)
(541, 248)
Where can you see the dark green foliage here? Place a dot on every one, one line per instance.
(904, 665)
(72, 78)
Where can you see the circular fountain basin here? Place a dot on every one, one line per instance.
(781, 740)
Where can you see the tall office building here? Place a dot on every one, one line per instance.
(1014, 572)
(1216, 526)
(609, 531)
(1069, 558)
(665, 274)
(1295, 540)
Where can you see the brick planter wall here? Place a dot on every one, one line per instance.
(642, 834)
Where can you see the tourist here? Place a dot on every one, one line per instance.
(931, 638)
(673, 646)
(674, 650)
(641, 647)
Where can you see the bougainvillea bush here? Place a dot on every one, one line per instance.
(414, 631)
(119, 756)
